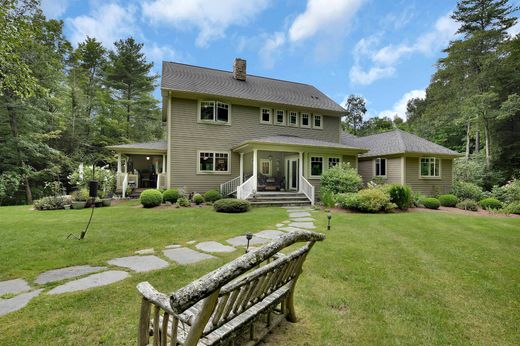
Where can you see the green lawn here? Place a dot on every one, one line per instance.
(409, 278)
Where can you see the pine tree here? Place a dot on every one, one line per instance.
(356, 109)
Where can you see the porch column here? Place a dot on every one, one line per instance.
(164, 163)
(255, 168)
(241, 168)
(119, 163)
(300, 171)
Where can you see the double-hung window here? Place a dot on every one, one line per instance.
(265, 116)
(305, 120)
(293, 118)
(266, 167)
(213, 162)
(214, 111)
(279, 117)
(333, 161)
(430, 167)
(380, 167)
(317, 122)
(316, 166)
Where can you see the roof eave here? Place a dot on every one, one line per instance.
(249, 145)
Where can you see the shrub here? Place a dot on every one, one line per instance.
(513, 208)
(198, 199)
(490, 203)
(465, 190)
(468, 204)
(171, 195)
(448, 200)
(341, 178)
(105, 177)
(431, 203)
(231, 205)
(327, 198)
(80, 195)
(347, 200)
(212, 196)
(507, 193)
(372, 200)
(151, 198)
(417, 199)
(51, 203)
(401, 195)
(183, 202)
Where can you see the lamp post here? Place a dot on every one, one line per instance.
(249, 236)
(329, 216)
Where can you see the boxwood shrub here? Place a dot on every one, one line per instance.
(468, 204)
(198, 199)
(401, 195)
(212, 196)
(171, 195)
(431, 203)
(231, 205)
(448, 200)
(490, 203)
(373, 200)
(151, 198)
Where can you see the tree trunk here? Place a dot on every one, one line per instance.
(486, 134)
(468, 142)
(477, 142)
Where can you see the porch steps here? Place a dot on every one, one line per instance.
(279, 199)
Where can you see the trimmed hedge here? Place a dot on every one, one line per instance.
(231, 205)
(490, 203)
(468, 204)
(151, 198)
(212, 196)
(171, 195)
(448, 200)
(431, 203)
(198, 199)
(401, 195)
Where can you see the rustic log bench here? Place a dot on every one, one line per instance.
(238, 303)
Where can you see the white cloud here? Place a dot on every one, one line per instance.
(107, 23)
(399, 107)
(54, 8)
(211, 18)
(322, 15)
(271, 49)
(358, 76)
(158, 54)
(514, 30)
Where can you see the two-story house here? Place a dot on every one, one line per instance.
(244, 134)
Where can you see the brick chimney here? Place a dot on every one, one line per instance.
(239, 69)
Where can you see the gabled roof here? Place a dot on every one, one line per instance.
(152, 147)
(202, 80)
(299, 141)
(396, 142)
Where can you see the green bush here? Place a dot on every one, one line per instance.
(417, 199)
(401, 195)
(465, 190)
(151, 198)
(512, 208)
(431, 203)
(448, 200)
(341, 178)
(507, 193)
(327, 198)
(51, 203)
(373, 200)
(347, 200)
(183, 202)
(171, 195)
(490, 203)
(212, 196)
(231, 205)
(80, 195)
(468, 204)
(198, 199)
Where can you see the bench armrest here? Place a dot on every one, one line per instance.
(155, 297)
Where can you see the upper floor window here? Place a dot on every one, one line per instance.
(280, 117)
(213, 161)
(293, 118)
(316, 166)
(305, 119)
(318, 122)
(333, 161)
(265, 116)
(380, 167)
(214, 111)
(430, 167)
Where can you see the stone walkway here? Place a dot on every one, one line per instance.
(16, 294)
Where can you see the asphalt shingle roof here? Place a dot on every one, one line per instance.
(158, 145)
(395, 142)
(294, 140)
(195, 79)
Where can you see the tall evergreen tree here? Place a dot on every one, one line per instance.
(356, 109)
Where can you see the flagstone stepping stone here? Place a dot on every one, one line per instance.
(139, 263)
(269, 234)
(66, 273)
(149, 251)
(14, 286)
(184, 255)
(18, 302)
(94, 280)
(213, 246)
(290, 229)
(304, 219)
(191, 242)
(306, 225)
(286, 221)
(173, 246)
(242, 241)
(299, 214)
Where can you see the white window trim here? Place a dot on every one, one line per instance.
(301, 120)
(275, 117)
(289, 119)
(262, 161)
(321, 122)
(333, 157)
(270, 116)
(374, 168)
(322, 167)
(214, 172)
(214, 121)
(433, 177)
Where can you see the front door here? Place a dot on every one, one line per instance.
(291, 172)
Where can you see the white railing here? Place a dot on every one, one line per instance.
(229, 187)
(247, 188)
(307, 188)
(124, 185)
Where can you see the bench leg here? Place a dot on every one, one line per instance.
(289, 304)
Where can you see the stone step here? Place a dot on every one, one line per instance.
(278, 198)
(294, 203)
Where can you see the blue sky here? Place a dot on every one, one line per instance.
(382, 50)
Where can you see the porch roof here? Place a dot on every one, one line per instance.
(157, 147)
(294, 142)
